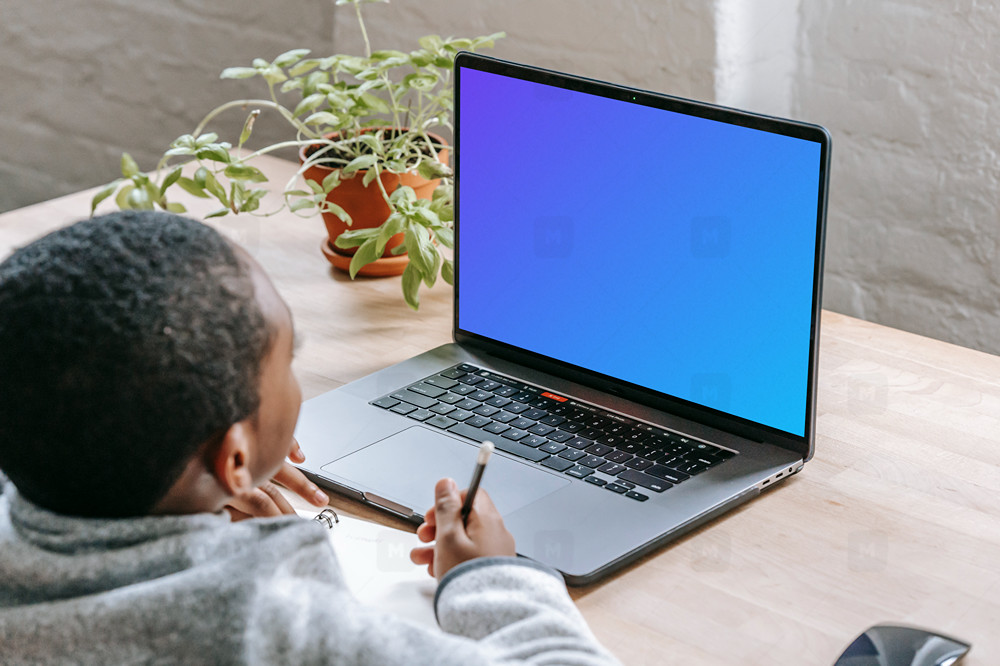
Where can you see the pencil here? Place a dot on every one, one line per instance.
(485, 449)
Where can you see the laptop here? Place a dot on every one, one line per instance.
(636, 321)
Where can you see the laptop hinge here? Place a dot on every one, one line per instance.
(389, 505)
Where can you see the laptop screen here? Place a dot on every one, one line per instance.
(668, 250)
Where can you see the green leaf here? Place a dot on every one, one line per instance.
(289, 58)
(138, 199)
(448, 271)
(375, 103)
(364, 256)
(216, 189)
(129, 167)
(238, 73)
(322, 118)
(432, 43)
(331, 181)
(432, 169)
(177, 208)
(445, 236)
(411, 286)
(170, 180)
(300, 204)
(174, 152)
(370, 175)
(122, 198)
(103, 194)
(309, 103)
(355, 237)
(304, 67)
(421, 82)
(360, 162)
(191, 187)
(392, 226)
(415, 248)
(201, 177)
(245, 172)
(273, 75)
(214, 152)
(248, 126)
(330, 207)
(206, 139)
(222, 212)
(314, 186)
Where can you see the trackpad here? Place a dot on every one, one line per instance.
(404, 468)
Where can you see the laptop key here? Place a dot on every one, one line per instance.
(552, 447)
(421, 415)
(403, 408)
(496, 428)
(504, 417)
(645, 480)
(558, 464)
(467, 404)
(409, 396)
(572, 454)
(638, 463)
(498, 401)
(424, 388)
(596, 480)
(481, 396)
(442, 408)
(592, 461)
(505, 391)
(514, 434)
(440, 421)
(534, 414)
(385, 402)
(579, 471)
(453, 373)
(541, 429)
(520, 450)
(571, 426)
(612, 469)
(553, 420)
(559, 436)
(478, 421)
(488, 385)
(534, 441)
(471, 380)
(523, 396)
(441, 382)
(637, 496)
(450, 398)
(599, 449)
(460, 415)
(618, 456)
(463, 389)
(667, 474)
(522, 423)
(579, 443)
(516, 407)
(615, 488)
(486, 410)
(467, 367)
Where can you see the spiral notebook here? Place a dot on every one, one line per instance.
(376, 563)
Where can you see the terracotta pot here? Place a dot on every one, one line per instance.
(368, 209)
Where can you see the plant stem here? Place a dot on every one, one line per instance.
(364, 33)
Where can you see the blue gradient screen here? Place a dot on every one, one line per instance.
(670, 251)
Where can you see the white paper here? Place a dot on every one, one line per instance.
(376, 563)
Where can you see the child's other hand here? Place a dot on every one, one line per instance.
(484, 534)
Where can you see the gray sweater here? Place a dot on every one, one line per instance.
(199, 589)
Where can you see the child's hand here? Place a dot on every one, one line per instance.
(266, 500)
(484, 534)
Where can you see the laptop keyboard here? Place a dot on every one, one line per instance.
(586, 442)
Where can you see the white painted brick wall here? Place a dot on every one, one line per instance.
(906, 87)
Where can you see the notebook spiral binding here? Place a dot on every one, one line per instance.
(328, 517)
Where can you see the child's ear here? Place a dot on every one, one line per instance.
(231, 460)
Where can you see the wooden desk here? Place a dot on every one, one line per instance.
(896, 519)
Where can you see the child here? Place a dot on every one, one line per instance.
(145, 385)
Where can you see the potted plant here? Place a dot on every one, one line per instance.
(372, 159)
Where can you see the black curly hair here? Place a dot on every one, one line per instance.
(127, 342)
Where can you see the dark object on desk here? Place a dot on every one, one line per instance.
(893, 645)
